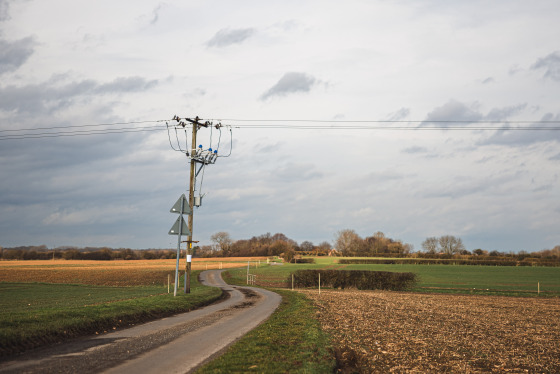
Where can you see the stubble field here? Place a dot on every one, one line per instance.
(382, 331)
(108, 273)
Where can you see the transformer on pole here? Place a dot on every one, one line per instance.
(198, 157)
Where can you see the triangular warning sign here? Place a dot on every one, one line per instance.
(179, 223)
(177, 207)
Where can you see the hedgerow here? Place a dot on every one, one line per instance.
(358, 279)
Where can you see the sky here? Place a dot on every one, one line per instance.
(290, 81)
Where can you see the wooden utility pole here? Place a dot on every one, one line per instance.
(191, 205)
(195, 124)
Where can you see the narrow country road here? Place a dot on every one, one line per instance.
(175, 344)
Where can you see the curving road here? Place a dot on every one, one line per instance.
(176, 344)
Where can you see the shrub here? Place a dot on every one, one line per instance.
(302, 261)
(358, 279)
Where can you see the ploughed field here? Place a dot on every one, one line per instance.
(107, 273)
(383, 331)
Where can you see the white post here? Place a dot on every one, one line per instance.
(248, 272)
(292, 282)
(319, 283)
(167, 283)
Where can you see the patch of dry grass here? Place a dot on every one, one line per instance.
(381, 331)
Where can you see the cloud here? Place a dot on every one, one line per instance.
(292, 171)
(155, 14)
(498, 114)
(415, 149)
(551, 65)
(50, 96)
(488, 80)
(15, 54)
(4, 10)
(227, 37)
(454, 111)
(126, 84)
(399, 114)
(508, 136)
(291, 82)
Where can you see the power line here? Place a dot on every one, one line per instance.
(79, 133)
(289, 124)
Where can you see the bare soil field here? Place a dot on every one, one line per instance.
(383, 331)
(109, 273)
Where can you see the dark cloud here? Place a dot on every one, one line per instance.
(457, 111)
(506, 135)
(14, 54)
(291, 83)
(550, 64)
(488, 80)
(498, 114)
(226, 37)
(452, 111)
(50, 96)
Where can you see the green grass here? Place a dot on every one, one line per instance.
(291, 340)
(34, 314)
(503, 280)
(510, 280)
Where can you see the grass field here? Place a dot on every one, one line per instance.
(42, 302)
(117, 293)
(35, 314)
(498, 280)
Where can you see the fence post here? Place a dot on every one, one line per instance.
(319, 283)
(292, 281)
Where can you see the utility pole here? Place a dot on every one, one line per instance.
(203, 157)
(195, 124)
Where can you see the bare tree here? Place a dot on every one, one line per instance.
(222, 241)
(307, 246)
(450, 244)
(347, 242)
(430, 245)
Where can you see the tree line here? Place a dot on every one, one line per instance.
(263, 245)
(41, 252)
(349, 243)
(346, 243)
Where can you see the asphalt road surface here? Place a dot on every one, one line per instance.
(177, 344)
